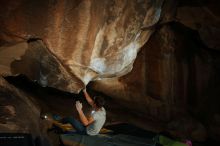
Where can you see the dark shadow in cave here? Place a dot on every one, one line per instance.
(46, 94)
(34, 89)
(194, 3)
(22, 82)
(49, 99)
(193, 48)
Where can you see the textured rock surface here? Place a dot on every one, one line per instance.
(34, 60)
(172, 75)
(8, 54)
(92, 39)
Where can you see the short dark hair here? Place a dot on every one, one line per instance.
(99, 101)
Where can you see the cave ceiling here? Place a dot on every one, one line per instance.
(67, 44)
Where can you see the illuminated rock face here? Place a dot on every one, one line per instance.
(89, 39)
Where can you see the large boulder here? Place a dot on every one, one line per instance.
(91, 39)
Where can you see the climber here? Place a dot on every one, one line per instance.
(89, 125)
